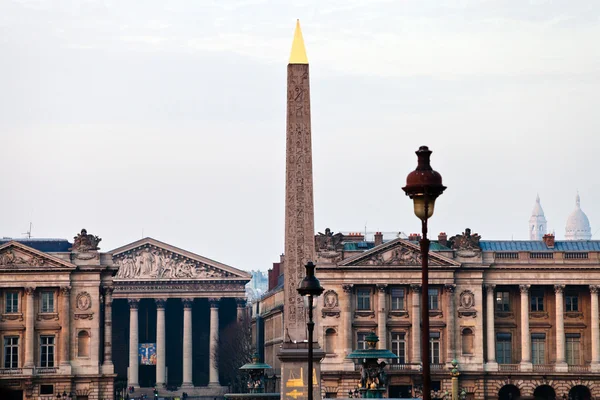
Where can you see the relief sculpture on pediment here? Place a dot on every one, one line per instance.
(11, 258)
(161, 264)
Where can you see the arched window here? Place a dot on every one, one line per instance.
(467, 341)
(330, 335)
(83, 344)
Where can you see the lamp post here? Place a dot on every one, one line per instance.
(423, 186)
(310, 287)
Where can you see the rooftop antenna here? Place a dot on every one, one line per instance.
(28, 233)
(365, 231)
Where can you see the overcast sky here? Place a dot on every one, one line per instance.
(167, 118)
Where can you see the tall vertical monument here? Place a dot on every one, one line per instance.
(299, 228)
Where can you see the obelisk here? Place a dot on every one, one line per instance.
(299, 227)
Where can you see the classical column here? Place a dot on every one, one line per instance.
(525, 335)
(241, 308)
(451, 318)
(133, 343)
(491, 332)
(561, 364)
(416, 324)
(65, 330)
(347, 321)
(29, 327)
(213, 376)
(161, 354)
(187, 343)
(381, 317)
(107, 366)
(595, 329)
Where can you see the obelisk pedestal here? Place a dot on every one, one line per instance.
(299, 230)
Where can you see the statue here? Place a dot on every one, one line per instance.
(466, 245)
(84, 242)
(328, 241)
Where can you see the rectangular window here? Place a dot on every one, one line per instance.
(11, 352)
(363, 299)
(47, 351)
(573, 341)
(399, 347)
(47, 302)
(537, 300)
(538, 348)
(361, 342)
(572, 302)
(503, 348)
(502, 301)
(434, 299)
(11, 302)
(434, 347)
(397, 298)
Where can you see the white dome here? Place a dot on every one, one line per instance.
(578, 224)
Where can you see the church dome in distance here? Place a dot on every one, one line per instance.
(578, 225)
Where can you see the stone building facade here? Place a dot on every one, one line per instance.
(521, 317)
(73, 319)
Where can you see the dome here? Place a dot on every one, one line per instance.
(578, 224)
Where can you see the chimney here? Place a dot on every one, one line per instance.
(443, 238)
(274, 275)
(549, 240)
(414, 237)
(378, 238)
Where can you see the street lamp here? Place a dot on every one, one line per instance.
(423, 186)
(310, 287)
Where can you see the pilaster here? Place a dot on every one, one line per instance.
(107, 365)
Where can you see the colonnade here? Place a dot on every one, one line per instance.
(525, 364)
(187, 356)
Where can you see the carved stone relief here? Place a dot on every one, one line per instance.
(467, 304)
(12, 258)
(151, 262)
(330, 304)
(83, 302)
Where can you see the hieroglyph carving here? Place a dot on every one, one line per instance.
(151, 262)
(299, 213)
(11, 258)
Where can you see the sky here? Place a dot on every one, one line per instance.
(167, 118)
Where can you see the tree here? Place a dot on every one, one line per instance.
(235, 349)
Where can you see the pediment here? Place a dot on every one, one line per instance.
(19, 257)
(397, 253)
(150, 259)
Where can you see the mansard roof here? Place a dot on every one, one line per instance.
(42, 244)
(538, 245)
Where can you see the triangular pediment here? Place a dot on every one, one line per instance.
(397, 252)
(17, 256)
(150, 259)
